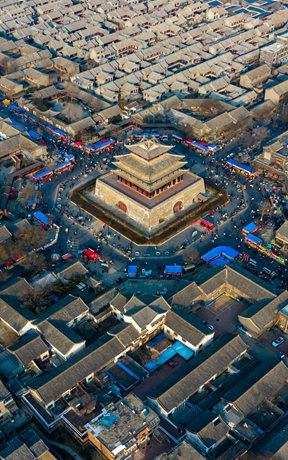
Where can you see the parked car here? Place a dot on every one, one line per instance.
(278, 342)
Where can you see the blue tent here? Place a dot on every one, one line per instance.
(132, 271)
(250, 228)
(225, 252)
(173, 270)
(41, 218)
(34, 135)
(233, 163)
(253, 238)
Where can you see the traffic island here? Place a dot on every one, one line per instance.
(83, 201)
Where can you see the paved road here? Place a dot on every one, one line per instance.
(117, 248)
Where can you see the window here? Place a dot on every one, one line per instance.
(122, 206)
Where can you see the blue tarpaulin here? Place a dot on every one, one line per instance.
(17, 123)
(41, 217)
(126, 369)
(182, 350)
(163, 358)
(60, 132)
(246, 168)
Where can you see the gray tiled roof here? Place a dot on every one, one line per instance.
(28, 348)
(69, 309)
(184, 328)
(262, 389)
(262, 313)
(59, 336)
(11, 316)
(213, 365)
(50, 387)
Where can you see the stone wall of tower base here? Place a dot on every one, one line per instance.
(152, 219)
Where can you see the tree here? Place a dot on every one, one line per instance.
(34, 262)
(9, 338)
(73, 112)
(28, 239)
(191, 255)
(260, 134)
(7, 65)
(28, 192)
(37, 300)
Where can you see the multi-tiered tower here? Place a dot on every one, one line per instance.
(149, 187)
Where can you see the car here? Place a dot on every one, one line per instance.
(210, 327)
(171, 364)
(164, 291)
(278, 342)
(119, 280)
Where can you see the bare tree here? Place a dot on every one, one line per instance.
(28, 239)
(7, 65)
(191, 255)
(261, 133)
(34, 262)
(73, 112)
(28, 192)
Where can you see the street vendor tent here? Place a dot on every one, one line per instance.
(90, 254)
(171, 270)
(221, 255)
(250, 228)
(44, 220)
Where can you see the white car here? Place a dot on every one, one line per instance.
(278, 342)
(210, 327)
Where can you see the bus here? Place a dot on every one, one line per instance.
(206, 224)
(241, 168)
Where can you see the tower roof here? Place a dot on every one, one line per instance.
(148, 149)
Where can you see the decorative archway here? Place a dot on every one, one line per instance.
(122, 206)
(177, 207)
